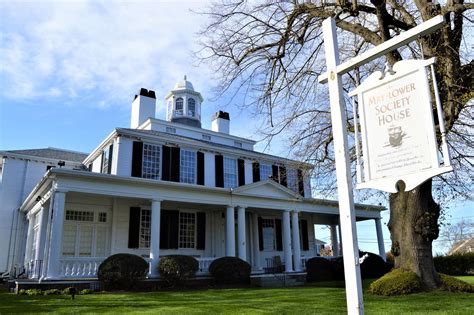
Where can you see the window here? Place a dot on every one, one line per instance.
(230, 173)
(179, 106)
(187, 229)
(292, 179)
(151, 161)
(187, 170)
(145, 228)
(265, 171)
(170, 129)
(85, 233)
(105, 161)
(191, 107)
(268, 229)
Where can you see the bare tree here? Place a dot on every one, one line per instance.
(453, 234)
(272, 52)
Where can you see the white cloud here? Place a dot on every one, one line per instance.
(109, 49)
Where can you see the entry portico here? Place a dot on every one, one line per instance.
(97, 215)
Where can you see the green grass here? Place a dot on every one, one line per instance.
(328, 298)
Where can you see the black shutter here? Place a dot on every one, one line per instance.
(165, 169)
(275, 173)
(279, 239)
(201, 230)
(219, 171)
(304, 234)
(174, 229)
(256, 171)
(300, 182)
(260, 233)
(241, 171)
(283, 176)
(175, 164)
(165, 229)
(102, 162)
(137, 156)
(134, 227)
(200, 168)
(111, 153)
(89, 168)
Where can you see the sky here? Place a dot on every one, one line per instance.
(69, 71)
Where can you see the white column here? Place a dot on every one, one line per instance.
(256, 243)
(154, 238)
(241, 233)
(295, 228)
(56, 235)
(339, 230)
(230, 232)
(378, 227)
(334, 245)
(40, 241)
(29, 238)
(287, 241)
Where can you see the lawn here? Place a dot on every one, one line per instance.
(322, 299)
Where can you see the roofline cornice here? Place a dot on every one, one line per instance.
(91, 157)
(35, 158)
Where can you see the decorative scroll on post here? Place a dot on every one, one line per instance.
(397, 128)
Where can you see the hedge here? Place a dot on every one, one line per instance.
(174, 268)
(122, 271)
(455, 265)
(230, 270)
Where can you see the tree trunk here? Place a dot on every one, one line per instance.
(414, 225)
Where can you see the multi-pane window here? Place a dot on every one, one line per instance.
(105, 161)
(191, 107)
(187, 170)
(85, 233)
(145, 228)
(151, 161)
(179, 105)
(230, 172)
(265, 171)
(187, 229)
(268, 231)
(292, 179)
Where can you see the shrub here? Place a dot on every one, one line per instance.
(452, 284)
(70, 291)
(174, 268)
(33, 292)
(52, 292)
(230, 270)
(86, 291)
(21, 292)
(122, 271)
(337, 264)
(396, 282)
(390, 258)
(319, 269)
(455, 265)
(373, 266)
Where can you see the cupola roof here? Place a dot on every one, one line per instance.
(184, 85)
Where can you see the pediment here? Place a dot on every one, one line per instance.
(267, 189)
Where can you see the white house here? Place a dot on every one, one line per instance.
(168, 186)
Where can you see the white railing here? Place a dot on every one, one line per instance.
(204, 263)
(80, 267)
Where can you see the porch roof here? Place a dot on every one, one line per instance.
(264, 194)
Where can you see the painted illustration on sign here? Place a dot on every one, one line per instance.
(397, 127)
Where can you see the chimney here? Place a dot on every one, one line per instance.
(143, 107)
(221, 122)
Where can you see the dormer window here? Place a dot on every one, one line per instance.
(179, 105)
(191, 107)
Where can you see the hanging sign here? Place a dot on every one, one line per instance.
(397, 128)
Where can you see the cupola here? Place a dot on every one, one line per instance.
(184, 104)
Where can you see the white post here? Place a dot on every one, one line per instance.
(241, 233)
(155, 238)
(295, 228)
(56, 235)
(339, 230)
(29, 238)
(287, 241)
(230, 232)
(256, 243)
(40, 240)
(334, 243)
(378, 227)
(355, 303)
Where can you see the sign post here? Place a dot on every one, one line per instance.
(354, 297)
